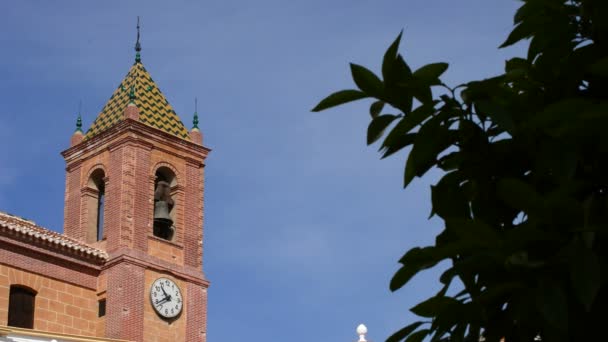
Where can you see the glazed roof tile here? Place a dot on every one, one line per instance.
(154, 109)
(31, 229)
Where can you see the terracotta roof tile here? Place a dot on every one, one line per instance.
(29, 228)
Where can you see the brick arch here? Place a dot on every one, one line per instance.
(92, 169)
(26, 280)
(170, 167)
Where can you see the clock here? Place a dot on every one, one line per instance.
(166, 298)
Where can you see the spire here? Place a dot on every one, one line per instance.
(195, 119)
(77, 136)
(137, 45)
(79, 120)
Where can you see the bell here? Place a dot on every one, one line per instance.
(161, 213)
(163, 224)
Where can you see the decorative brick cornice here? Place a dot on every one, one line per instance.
(20, 228)
(73, 165)
(138, 258)
(139, 129)
(194, 162)
(167, 242)
(89, 191)
(48, 262)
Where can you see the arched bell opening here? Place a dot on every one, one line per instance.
(96, 205)
(164, 204)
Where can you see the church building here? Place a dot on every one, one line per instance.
(128, 266)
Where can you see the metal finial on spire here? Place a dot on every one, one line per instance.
(137, 45)
(195, 119)
(79, 120)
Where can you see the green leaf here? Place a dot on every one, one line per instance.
(552, 303)
(389, 62)
(408, 122)
(560, 113)
(516, 63)
(404, 332)
(433, 306)
(473, 230)
(410, 171)
(585, 275)
(447, 197)
(556, 159)
(521, 31)
(338, 98)
(366, 80)
(398, 96)
(376, 108)
(431, 140)
(414, 261)
(420, 89)
(498, 292)
(402, 277)
(522, 13)
(418, 336)
(377, 127)
(397, 144)
(599, 68)
(519, 195)
(430, 73)
(497, 113)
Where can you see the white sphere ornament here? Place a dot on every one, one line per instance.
(361, 331)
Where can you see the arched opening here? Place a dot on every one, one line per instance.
(21, 305)
(96, 206)
(164, 205)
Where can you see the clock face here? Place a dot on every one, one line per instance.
(166, 298)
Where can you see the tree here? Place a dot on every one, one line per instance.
(524, 191)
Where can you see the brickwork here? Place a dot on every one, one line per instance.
(60, 307)
(165, 250)
(71, 273)
(144, 193)
(193, 219)
(71, 224)
(124, 302)
(196, 328)
(196, 136)
(37, 260)
(131, 153)
(76, 138)
(127, 194)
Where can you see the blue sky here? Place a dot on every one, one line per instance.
(304, 224)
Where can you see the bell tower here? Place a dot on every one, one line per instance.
(134, 188)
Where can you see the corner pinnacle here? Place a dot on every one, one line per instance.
(195, 119)
(79, 119)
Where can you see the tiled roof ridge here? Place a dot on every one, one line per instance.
(31, 229)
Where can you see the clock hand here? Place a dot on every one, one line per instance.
(160, 301)
(167, 296)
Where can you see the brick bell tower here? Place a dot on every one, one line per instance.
(134, 188)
